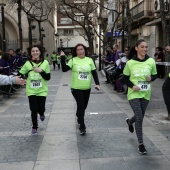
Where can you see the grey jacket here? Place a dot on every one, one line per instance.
(5, 80)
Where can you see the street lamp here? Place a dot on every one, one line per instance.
(61, 44)
(68, 39)
(100, 23)
(56, 37)
(19, 21)
(2, 4)
(92, 38)
(42, 37)
(123, 24)
(30, 28)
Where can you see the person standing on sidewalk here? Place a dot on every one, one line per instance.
(54, 59)
(38, 72)
(166, 89)
(58, 61)
(139, 71)
(83, 68)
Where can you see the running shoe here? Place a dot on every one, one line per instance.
(82, 132)
(34, 131)
(131, 129)
(42, 117)
(142, 150)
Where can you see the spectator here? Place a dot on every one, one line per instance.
(54, 59)
(160, 57)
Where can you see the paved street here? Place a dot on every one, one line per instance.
(108, 145)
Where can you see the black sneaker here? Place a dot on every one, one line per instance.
(142, 149)
(131, 129)
(42, 117)
(82, 132)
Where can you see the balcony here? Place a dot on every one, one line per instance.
(140, 14)
(139, 11)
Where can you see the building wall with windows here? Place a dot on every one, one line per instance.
(12, 32)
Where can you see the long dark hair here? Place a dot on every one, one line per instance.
(133, 51)
(41, 48)
(74, 52)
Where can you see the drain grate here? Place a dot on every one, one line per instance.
(65, 84)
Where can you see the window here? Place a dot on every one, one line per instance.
(65, 21)
(65, 8)
(68, 32)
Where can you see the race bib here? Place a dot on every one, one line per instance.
(83, 76)
(144, 85)
(36, 83)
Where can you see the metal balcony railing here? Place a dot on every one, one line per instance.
(139, 10)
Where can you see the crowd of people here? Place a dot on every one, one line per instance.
(133, 68)
(10, 62)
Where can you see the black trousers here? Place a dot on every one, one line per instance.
(54, 63)
(166, 93)
(37, 105)
(82, 98)
(160, 71)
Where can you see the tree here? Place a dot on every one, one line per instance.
(85, 10)
(38, 10)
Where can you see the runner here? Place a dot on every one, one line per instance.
(38, 71)
(139, 71)
(83, 69)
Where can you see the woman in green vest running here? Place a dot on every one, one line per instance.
(139, 71)
(83, 69)
(38, 71)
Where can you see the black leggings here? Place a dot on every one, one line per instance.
(82, 98)
(37, 105)
(166, 94)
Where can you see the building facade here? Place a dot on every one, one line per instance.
(12, 31)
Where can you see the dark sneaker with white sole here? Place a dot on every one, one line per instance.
(34, 131)
(131, 128)
(82, 132)
(142, 150)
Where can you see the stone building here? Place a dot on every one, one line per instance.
(12, 31)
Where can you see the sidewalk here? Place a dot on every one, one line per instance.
(107, 145)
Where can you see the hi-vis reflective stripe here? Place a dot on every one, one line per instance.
(163, 63)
